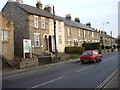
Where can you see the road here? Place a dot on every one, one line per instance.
(72, 75)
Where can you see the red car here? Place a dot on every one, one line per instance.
(90, 56)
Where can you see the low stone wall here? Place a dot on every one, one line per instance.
(25, 63)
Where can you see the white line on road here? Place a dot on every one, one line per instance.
(85, 68)
(106, 80)
(46, 83)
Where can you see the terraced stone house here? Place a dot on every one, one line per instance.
(36, 24)
(6, 38)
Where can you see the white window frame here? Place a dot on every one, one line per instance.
(36, 22)
(37, 39)
(84, 33)
(69, 31)
(75, 41)
(60, 39)
(59, 26)
(69, 42)
(42, 23)
(93, 34)
(4, 33)
(79, 33)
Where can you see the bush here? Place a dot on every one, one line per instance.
(108, 47)
(102, 46)
(91, 46)
(74, 56)
(74, 50)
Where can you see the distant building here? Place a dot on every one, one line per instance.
(6, 38)
(77, 33)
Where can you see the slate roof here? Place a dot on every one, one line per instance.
(40, 12)
(75, 24)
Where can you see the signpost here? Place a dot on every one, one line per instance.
(27, 47)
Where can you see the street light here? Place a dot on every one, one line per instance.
(105, 33)
(104, 24)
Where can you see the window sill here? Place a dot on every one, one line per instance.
(5, 41)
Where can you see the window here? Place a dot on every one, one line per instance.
(35, 21)
(84, 33)
(37, 40)
(60, 39)
(79, 33)
(69, 42)
(92, 34)
(43, 23)
(75, 42)
(69, 31)
(88, 33)
(59, 26)
(5, 35)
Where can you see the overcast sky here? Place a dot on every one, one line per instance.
(95, 11)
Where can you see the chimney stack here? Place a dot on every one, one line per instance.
(48, 8)
(39, 4)
(88, 24)
(77, 20)
(19, 1)
(68, 17)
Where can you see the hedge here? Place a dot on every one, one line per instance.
(91, 46)
(108, 47)
(74, 50)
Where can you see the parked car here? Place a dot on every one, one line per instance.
(92, 56)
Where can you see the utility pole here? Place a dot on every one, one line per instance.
(111, 37)
(55, 34)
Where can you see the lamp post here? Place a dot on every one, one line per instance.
(103, 30)
(105, 34)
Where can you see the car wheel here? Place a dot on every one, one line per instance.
(95, 60)
(100, 60)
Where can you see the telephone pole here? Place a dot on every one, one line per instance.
(54, 20)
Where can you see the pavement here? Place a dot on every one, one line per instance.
(113, 83)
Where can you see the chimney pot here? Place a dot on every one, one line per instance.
(88, 24)
(48, 8)
(77, 20)
(39, 4)
(68, 16)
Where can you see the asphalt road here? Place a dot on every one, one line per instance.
(72, 75)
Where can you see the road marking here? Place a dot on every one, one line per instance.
(85, 68)
(106, 80)
(46, 83)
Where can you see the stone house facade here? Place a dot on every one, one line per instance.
(77, 33)
(6, 38)
(36, 24)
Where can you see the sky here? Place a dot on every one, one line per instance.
(95, 11)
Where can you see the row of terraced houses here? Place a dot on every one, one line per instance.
(35, 23)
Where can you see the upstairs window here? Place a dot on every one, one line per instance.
(60, 39)
(79, 33)
(69, 31)
(43, 23)
(35, 21)
(5, 35)
(92, 34)
(37, 40)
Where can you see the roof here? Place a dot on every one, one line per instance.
(75, 24)
(41, 12)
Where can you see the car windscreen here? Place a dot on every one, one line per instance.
(87, 53)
